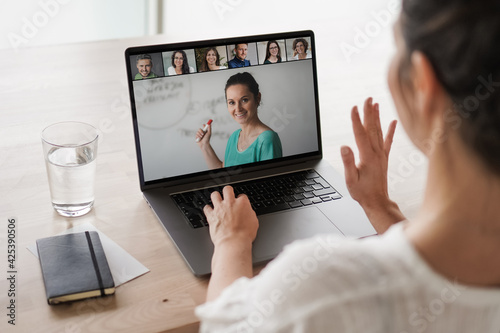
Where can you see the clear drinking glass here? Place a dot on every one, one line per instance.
(70, 150)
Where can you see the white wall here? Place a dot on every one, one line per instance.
(198, 19)
(30, 23)
(361, 26)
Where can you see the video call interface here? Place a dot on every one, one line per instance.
(192, 105)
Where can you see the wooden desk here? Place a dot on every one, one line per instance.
(87, 82)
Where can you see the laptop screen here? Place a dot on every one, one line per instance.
(259, 94)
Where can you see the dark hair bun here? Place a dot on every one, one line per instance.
(246, 79)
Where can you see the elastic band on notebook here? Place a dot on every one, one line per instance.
(94, 260)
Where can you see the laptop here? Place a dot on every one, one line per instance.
(176, 89)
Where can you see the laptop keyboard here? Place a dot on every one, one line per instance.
(267, 195)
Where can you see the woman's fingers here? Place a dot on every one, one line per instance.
(216, 198)
(368, 134)
(208, 210)
(389, 137)
(228, 193)
(350, 169)
(376, 115)
(371, 123)
(243, 196)
(203, 136)
(360, 135)
(366, 107)
(208, 134)
(199, 134)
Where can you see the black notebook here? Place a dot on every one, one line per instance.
(74, 266)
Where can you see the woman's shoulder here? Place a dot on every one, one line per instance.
(268, 134)
(383, 265)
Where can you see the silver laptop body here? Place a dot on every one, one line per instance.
(168, 109)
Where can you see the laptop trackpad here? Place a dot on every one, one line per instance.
(279, 229)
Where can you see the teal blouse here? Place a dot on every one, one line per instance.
(267, 146)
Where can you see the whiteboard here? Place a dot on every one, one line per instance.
(171, 109)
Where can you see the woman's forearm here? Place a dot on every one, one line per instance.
(383, 216)
(231, 260)
(211, 158)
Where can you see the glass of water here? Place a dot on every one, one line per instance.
(70, 150)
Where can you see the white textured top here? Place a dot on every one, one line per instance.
(308, 56)
(330, 284)
(171, 70)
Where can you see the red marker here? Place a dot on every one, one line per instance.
(205, 129)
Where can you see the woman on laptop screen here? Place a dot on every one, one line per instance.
(211, 60)
(273, 52)
(301, 49)
(254, 141)
(180, 64)
(440, 271)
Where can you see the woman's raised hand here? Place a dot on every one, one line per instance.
(367, 180)
(202, 137)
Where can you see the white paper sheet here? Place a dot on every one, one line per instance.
(123, 266)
